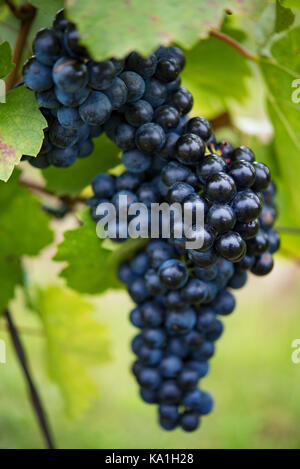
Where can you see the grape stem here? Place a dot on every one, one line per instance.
(236, 45)
(70, 201)
(25, 14)
(35, 398)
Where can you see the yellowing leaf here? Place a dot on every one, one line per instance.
(76, 341)
(21, 129)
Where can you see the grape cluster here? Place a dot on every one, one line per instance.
(79, 96)
(180, 293)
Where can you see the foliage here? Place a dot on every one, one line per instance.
(75, 341)
(24, 230)
(92, 262)
(222, 79)
(18, 134)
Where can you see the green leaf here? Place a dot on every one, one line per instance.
(290, 3)
(72, 180)
(280, 73)
(50, 8)
(215, 74)
(21, 129)
(10, 276)
(126, 25)
(91, 262)
(284, 18)
(75, 341)
(6, 64)
(23, 231)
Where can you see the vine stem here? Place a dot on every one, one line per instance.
(35, 398)
(236, 45)
(25, 14)
(70, 201)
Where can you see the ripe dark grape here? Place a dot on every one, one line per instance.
(243, 153)
(243, 173)
(117, 93)
(199, 126)
(37, 77)
(190, 149)
(135, 85)
(155, 92)
(143, 66)
(46, 46)
(101, 74)
(136, 161)
(182, 100)
(138, 113)
(69, 74)
(150, 138)
(220, 188)
(167, 69)
(231, 246)
(173, 274)
(96, 109)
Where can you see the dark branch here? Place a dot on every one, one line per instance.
(25, 14)
(35, 399)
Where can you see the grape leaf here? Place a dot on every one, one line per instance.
(23, 231)
(6, 64)
(10, 276)
(290, 3)
(127, 25)
(21, 129)
(280, 73)
(211, 81)
(75, 342)
(50, 8)
(284, 18)
(91, 262)
(72, 180)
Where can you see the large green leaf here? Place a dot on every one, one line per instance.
(280, 73)
(215, 74)
(75, 341)
(72, 180)
(91, 262)
(23, 231)
(115, 27)
(21, 129)
(6, 64)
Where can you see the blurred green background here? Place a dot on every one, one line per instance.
(255, 383)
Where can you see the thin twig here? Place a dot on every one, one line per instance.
(70, 201)
(35, 398)
(232, 42)
(288, 229)
(26, 14)
(13, 8)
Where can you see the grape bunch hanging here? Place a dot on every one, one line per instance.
(180, 293)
